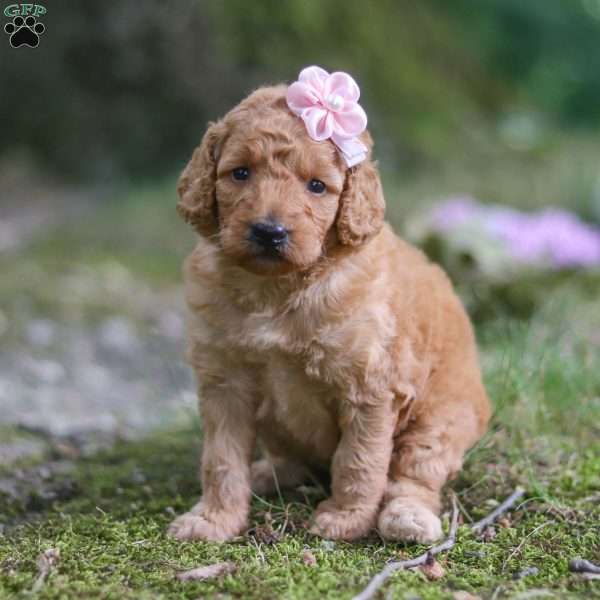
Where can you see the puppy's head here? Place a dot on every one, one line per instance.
(273, 199)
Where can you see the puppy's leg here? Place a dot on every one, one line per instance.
(411, 506)
(359, 473)
(425, 456)
(273, 473)
(229, 435)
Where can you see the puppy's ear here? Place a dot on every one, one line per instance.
(196, 186)
(362, 205)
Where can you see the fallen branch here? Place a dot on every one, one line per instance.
(448, 543)
(500, 509)
(580, 565)
(391, 568)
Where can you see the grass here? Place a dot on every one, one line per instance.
(136, 227)
(108, 516)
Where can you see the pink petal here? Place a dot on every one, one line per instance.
(342, 84)
(350, 122)
(314, 77)
(300, 96)
(319, 123)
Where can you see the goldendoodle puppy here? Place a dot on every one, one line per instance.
(317, 332)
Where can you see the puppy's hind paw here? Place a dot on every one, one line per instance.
(404, 520)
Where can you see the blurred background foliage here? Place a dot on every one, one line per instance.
(491, 99)
(125, 90)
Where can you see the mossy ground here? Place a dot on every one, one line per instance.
(112, 543)
(108, 515)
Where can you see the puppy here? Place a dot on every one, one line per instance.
(319, 334)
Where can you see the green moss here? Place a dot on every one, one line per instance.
(112, 542)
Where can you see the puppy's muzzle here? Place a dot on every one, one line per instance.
(268, 235)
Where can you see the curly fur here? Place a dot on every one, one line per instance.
(351, 353)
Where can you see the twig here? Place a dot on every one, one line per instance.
(580, 565)
(521, 544)
(391, 568)
(526, 572)
(502, 508)
(381, 577)
(463, 510)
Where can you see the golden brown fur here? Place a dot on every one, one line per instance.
(351, 352)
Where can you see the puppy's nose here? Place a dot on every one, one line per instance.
(269, 234)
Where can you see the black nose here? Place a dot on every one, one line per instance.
(269, 235)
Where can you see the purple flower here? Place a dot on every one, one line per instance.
(454, 212)
(553, 236)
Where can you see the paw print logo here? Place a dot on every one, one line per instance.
(24, 32)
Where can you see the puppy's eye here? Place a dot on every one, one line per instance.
(316, 186)
(240, 173)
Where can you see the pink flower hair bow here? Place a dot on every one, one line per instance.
(328, 105)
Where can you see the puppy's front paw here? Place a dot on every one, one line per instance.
(343, 524)
(404, 520)
(196, 525)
